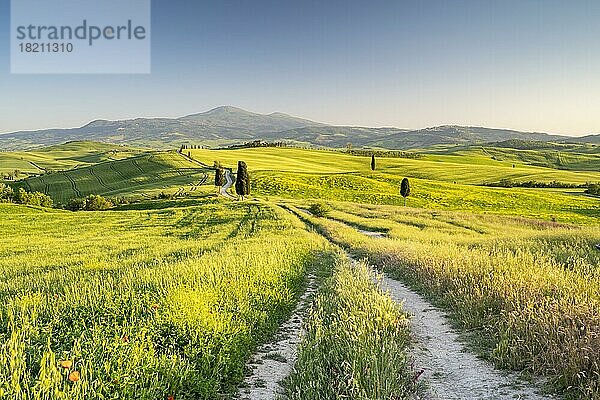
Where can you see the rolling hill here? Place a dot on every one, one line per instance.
(62, 157)
(230, 125)
(558, 156)
(438, 181)
(139, 176)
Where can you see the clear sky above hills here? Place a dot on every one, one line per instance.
(523, 64)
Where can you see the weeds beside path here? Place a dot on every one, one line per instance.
(273, 362)
(448, 370)
(442, 363)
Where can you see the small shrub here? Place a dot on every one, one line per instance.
(6, 193)
(165, 196)
(76, 204)
(593, 188)
(319, 209)
(93, 202)
(22, 196)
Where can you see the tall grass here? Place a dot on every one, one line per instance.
(355, 342)
(530, 290)
(143, 304)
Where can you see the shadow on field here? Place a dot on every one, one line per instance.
(162, 204)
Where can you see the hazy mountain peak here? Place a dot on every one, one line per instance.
(226, 110)
(219, 111)
(96, 122)
(228, 124)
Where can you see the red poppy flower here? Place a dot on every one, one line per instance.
(74, 376)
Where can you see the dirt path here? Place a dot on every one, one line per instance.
(372, 233)
(200, 163)
(227, 185)
(274, 361)
(449, 370)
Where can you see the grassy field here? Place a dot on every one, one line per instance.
(138, 176)
(170, 298)
(356, 343)
(575, 157)
(529, 290)
(62, 157)
(296, 173)
(466, 168)
(144, 304)
(167, 298)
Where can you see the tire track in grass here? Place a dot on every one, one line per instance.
(448, 370)
(36, 166)
(126, 179)
(135, 164)
(138, 166)
(45, 184)
(118, 172)
(97, 177)
(193, 160)
(73, 184)
(150, 171)
(274, 361)
(201, 182)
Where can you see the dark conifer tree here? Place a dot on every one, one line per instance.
(242, 181)
(405, 189)
(219, 178)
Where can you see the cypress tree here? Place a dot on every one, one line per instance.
(373, 162)
(405, 189)
(219, 178)
(242, 181)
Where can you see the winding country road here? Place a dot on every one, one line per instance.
(227, 185)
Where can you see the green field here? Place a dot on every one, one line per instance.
(138, 176)
(171, 297)
(144, 303)
(468, 168)
(527, 291)
(62, 157)
(579, 157)
(439, 184)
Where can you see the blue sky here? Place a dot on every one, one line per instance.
(529, 65)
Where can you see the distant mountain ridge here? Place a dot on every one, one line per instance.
(228, 125)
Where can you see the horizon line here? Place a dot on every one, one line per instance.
(304, 118)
